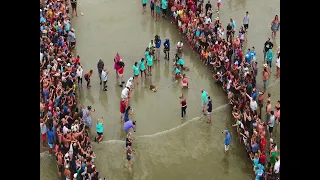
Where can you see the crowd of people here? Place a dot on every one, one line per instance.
(236, 69)
(64, 125)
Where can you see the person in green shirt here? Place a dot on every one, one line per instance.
(149, 63)
(136, 73)
(142, 67)
(164, 6)
(273, 157)
(144, 5)
(99, 129)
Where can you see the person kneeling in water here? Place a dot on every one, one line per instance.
(184, 81)
(99, 129)
(176, 73)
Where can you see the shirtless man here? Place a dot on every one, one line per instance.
(60, 162)
(268, 110)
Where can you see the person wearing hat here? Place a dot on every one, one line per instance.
(265, 75)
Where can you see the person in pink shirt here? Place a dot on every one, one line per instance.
(115, 65)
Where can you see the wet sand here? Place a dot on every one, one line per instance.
(189, 151)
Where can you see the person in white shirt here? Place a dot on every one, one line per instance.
(125, 93)
(253, 103)
(179, 46)
(278, 66)
(129, 83)
(277, 167)
(104, 78)
(79, 74)
(207, 20)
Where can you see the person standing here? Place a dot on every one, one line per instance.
(104, 77)
(129, 156)
(208, 5)
(74, 7)
(265, 75)
(79, 74)
(99, 129)
(271, 123)
(144, 5)
(269, 57)
(218, 4)
(246, 21)
(158, 44)
(267, 45)
(204, 100)
(136, 72)
(50, 139)
(164, 6)
(152, 8)
(227, 140)
(142, 68)
(209, 109)
(158, 10)
(120, 72)
(278, 66)
(275, 25)
(123, 105)
(183, 102)
(43, 128)
(166, 49)
(100, 67)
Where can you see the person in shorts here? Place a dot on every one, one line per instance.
(209, 110)
(123, 105)
(144, 4)
(99, 129)
(129, 156)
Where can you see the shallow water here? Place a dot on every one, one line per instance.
(189, 151)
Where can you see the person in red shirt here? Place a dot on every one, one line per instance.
(263, 143)
(77, 61)
(262, 158)
(123, 105)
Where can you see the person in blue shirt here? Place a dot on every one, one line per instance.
(204, 100)
(152, 7)
(142, 67)
(166, 49)
(136, 73)
(227, 140)
(259, 172)
(144, 4)
(50, 135)
(253, 54)
(99, 129)
(157, 41)
(164, 6)
(149, 64)
(248, 56)
(176, 73)
(127, 114)
(233, 24)
(269, 57)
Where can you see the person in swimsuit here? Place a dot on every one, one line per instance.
(129, 156)
(275, 25)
